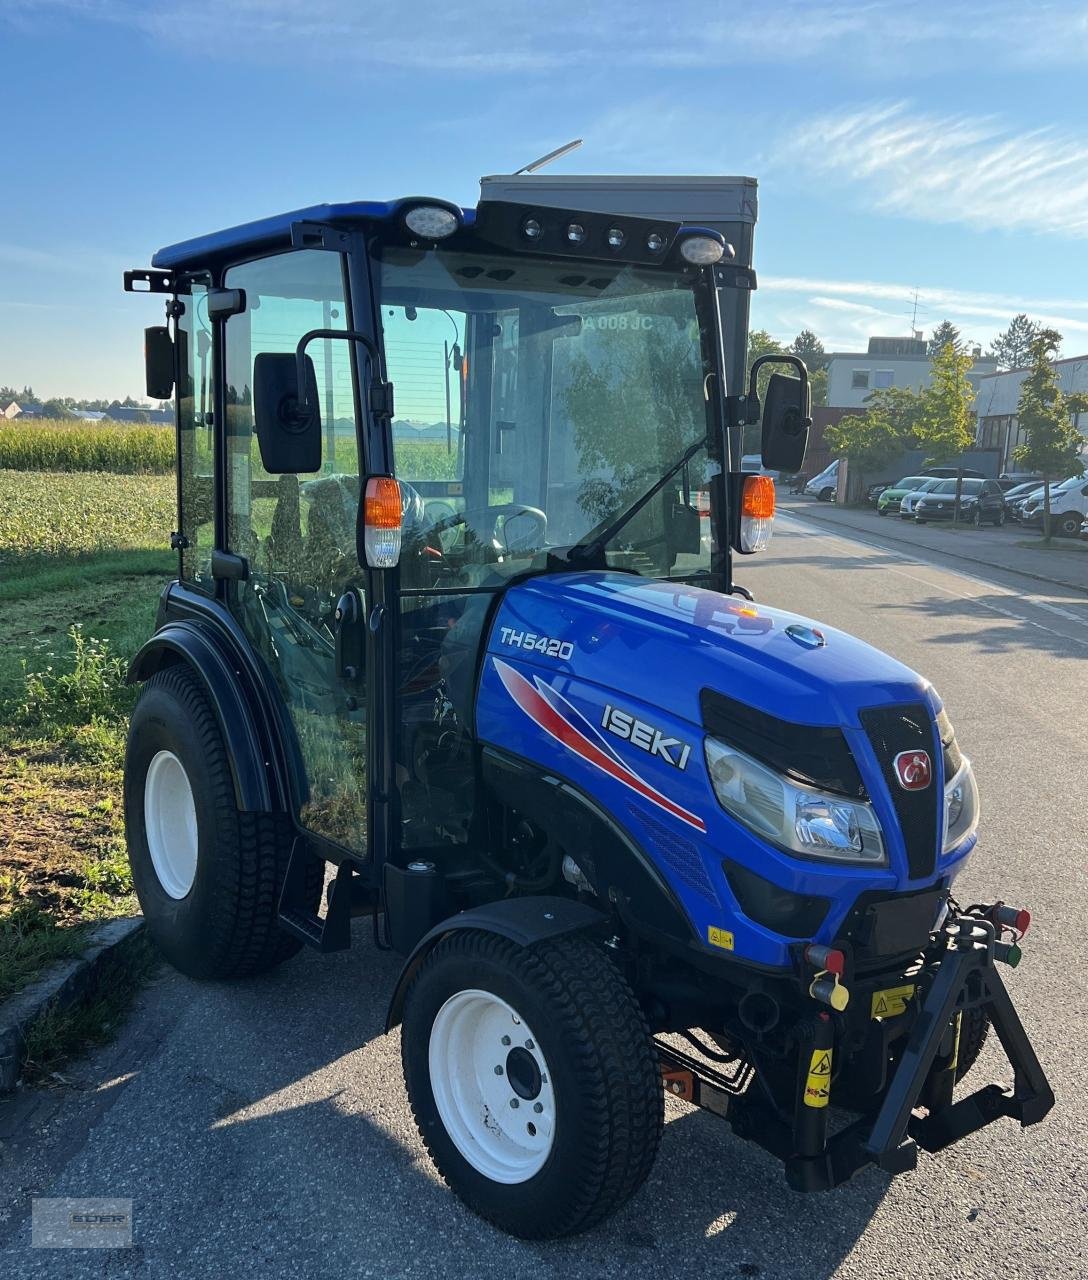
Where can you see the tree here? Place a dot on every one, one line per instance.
(811, 351)
(55, 409)
(945, 333)
(875, 439)
(945, 425)
(1012, 349)
(1046, 416)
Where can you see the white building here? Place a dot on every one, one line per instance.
(889, 362)
(999, 398)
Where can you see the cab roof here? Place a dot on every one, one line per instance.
(267, 233)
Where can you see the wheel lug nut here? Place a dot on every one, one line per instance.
(529, 1044)
(538, 1107)
(515, 1103)
(506, 1039)
(498, 1071)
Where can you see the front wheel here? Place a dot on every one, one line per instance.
(826, 494)
(533, 1080)
(1069, 524)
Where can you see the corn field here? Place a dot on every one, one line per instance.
(44, 445)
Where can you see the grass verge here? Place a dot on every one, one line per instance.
(67, 630)
(64, 1030)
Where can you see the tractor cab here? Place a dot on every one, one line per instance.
(390, 413)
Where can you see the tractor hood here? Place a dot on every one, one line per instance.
(662, 643)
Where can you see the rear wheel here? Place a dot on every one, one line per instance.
(1069, 524)
(825, 494)
(533, 1080)
(208, 876)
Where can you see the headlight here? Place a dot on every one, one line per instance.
(794, 817)
(961, 807)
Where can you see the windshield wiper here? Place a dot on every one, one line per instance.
(592, 549)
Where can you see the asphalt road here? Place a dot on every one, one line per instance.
(261, 1128)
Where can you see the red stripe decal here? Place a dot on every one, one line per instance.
(541, 711)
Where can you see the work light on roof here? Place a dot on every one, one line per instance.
(431, 221)
(616, 238)
(701, 251)
(655, 242)
(531, 229)
(576, 233)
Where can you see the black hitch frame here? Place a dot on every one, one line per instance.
(965, 977)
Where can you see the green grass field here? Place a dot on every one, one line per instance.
(83, 558)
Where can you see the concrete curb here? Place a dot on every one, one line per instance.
(63, 985)
(846, 529)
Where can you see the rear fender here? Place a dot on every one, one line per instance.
(258, 787)
(524, 921)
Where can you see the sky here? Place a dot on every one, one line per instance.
(937, 147)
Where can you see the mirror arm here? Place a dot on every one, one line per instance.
(751, 406)
(381, 391)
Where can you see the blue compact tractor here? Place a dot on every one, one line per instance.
(455, 644)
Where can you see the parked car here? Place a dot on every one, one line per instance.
(873, 492)
(906, 505)
(1017, 498)
(1021, 477)
(947, 473)
(981, 502)
(1068, 505)
(823, 486)
(889, 500)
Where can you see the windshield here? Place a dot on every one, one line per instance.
(949, 486)
(911, 482)
(535, 400)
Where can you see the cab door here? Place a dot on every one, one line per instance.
(295, 583)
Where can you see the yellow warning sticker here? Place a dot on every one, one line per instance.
(891, 1002)
(818, 1084)
(719, 938)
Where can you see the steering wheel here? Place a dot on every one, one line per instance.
(523, 541)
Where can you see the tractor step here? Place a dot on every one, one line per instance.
(331, 932)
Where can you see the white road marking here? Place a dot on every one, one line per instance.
(802, 526)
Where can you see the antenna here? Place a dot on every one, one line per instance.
(914, 315)
(557, 154)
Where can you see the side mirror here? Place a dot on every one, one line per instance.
(289, 435)
(787, 416)
(158, 362)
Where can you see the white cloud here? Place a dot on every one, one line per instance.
(846, 312)
(974, 170)
(497, 36)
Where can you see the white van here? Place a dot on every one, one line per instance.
(1068, 506)
(824, 485)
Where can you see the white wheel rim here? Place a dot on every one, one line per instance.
(492, 1086)
(170, 823)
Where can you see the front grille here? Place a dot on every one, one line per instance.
(908, 728)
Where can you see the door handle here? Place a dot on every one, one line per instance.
(350, 636)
